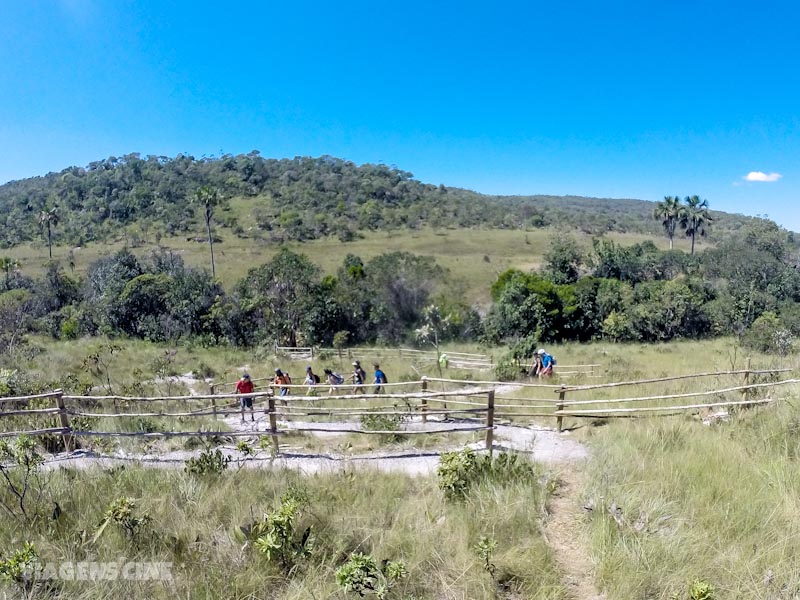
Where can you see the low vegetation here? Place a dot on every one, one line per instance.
(242, 535)
(679, 510)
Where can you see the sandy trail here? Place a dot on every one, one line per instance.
(541, 444)
(563, 531)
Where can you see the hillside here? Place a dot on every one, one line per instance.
(283, 200)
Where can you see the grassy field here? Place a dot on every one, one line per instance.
(195, 525)
(665, 506)
(473, 257)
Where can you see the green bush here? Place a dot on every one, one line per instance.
(209, 462)
(458, 472)
(768, 334)
(360, 574)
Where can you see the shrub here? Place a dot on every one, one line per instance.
(121, 512)
(275, 536)
(768, 334)
(21, 567)
(360, 574)
(458, 472)
(209, 462)
(22, 489)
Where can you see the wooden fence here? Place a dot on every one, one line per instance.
(455, 360)
(511, 407)
(281, 410)
(475, 406)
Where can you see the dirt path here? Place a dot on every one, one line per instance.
(540, 443)
(563, 534)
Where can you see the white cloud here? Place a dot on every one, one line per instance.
(761, 176)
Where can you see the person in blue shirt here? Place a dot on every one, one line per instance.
(546, 363)
(380, 378)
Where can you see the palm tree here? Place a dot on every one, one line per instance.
(669, 213)
(48, 218)
(208, 198)
(695, 217)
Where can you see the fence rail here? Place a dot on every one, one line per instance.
(476, 405)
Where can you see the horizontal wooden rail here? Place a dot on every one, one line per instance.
(500, 383)
(30, 411)
(640, 409)
(34, 432)
(737, 388)
(325, 384)
(264, 433)
(597, 386)
(31, 397)
(389, 432)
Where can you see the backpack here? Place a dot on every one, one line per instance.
(553, 359)
(316, 378)
(338, 379)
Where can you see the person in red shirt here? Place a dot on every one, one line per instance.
(245, 386)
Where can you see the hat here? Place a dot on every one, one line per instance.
(355, 364)
(540, 351)
(308, 368)
(278, 372)
(245, 376)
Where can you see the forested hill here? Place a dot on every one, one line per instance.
(292, 199)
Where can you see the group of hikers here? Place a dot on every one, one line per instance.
(542, 364)
(282, 381)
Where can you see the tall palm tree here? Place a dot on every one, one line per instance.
(208, 198)
(695, 217)
(48, 218)
(669, 213)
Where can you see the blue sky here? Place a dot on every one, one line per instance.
(608, 99)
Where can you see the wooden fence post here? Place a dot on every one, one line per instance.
(490, 422)
(69, 440)
(273, 423)
(424, 401)
(560, 406)
(746, 379)
(212, 388)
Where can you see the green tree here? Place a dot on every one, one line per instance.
(695, 217)
(563, 259)
(48, 218)
(8, 264)
(279, 294)
(208, 198)
(669, 212)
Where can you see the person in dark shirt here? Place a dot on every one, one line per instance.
(380, 378)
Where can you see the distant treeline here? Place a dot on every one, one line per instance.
(748, 286)
(296, 199)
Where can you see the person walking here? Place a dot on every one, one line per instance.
(245, 386)
(380, 378)
(311, 380)
(358, 377)
(282, 379)
(333, 379)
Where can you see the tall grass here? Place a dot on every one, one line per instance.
(194, 521)
(692, 502)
